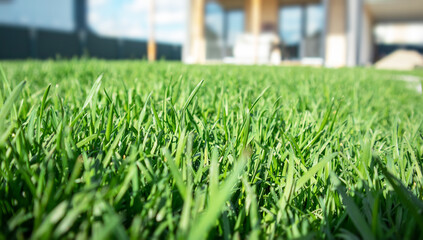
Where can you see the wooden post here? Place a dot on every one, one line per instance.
(255, 26)
(198, 50)
(151, 48)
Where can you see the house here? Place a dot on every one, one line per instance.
(332, 33)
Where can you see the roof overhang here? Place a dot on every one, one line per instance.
(237, 4)
(395, 10)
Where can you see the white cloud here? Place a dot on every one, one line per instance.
(136, 6)
(96, 3)
(169, 17)
(121, 27)
(129, 19)
(176, 36)
(166, 11)
(94, 17)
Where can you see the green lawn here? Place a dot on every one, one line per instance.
(100, 149)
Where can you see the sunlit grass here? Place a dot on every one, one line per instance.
(96, 149)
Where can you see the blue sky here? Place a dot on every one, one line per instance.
(125, 18)
(49, 14)
(129, 18)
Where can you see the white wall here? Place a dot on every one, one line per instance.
(336, 33)
(46, 14)
(400, 33)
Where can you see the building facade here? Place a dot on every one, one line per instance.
(333, 33)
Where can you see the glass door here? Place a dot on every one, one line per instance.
(290, 30)
(301, 30)
(222, 30)
(313, 38)
(214, 31)
(234, 27)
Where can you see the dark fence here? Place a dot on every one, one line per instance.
(22, 43)
(51, 44)
(134, 49)
(14, 43)
(100, 47)
(385, 49)
(168, 51)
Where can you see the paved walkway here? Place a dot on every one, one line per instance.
(414, 81)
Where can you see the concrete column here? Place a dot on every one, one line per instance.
(186, 47)
(366, 39)
(81, 25)
(151, 48)
(260, 16)
(252, 10)
(336, 39)
(354, 26)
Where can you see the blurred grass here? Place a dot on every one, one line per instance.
(128, 149)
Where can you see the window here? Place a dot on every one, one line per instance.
(314, 31)
(301, 31)
(234, 26)
(290, 28)
(222, 29)
(214, 31)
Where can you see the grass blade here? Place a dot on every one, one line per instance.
(352, 210)
(192, 95)
(8, 105)
(211, 214)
